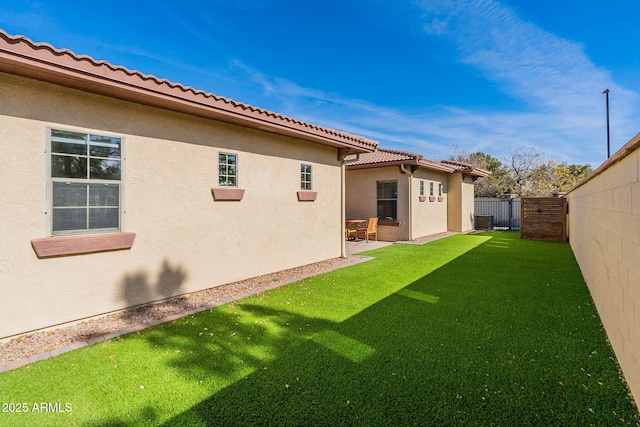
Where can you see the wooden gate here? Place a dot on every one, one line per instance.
(543, 218)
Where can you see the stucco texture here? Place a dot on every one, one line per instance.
(429, 217)
(185, 241)
(417, 219)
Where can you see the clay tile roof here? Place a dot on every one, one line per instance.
(467, 168)
(383, 155)
(457, 164)
(41, 61)
(386, 157)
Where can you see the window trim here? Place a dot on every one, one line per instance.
(307, 196)
(82, 244)
(306, 183)
(50, 180)
(227, 194)
(224, 185)
(395, 181)
(421, 195)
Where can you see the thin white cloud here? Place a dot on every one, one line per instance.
(559, 86)
(552, 76)
(435, 131)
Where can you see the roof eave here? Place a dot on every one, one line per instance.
(372, 165)
(61, 68)
(440, 167)
(476, 172)
(421, 163)
(467, 168)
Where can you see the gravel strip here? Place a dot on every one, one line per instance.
(19, 350)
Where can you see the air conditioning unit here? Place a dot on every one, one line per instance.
(483, 222)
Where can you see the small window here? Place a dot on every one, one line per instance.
(422, 188)
(387, 193)
(305, 177)
(431, 188)
(440, 189)
(85, 174)
(227, 170)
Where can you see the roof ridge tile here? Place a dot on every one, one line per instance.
(275, 118)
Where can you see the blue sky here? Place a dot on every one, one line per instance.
(434, 77)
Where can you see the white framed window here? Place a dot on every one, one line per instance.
(431, 188)
(439, 189)
(305, 177)
(85, 182)
(421, 188)
(227, 170)
(387, 195)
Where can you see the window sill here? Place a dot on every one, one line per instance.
(307, 196)
(389, 222)
(231, 194)
(84, 244)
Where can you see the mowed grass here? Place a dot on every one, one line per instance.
(473, 330)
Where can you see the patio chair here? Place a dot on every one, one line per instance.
(371, 228)
(350, 233)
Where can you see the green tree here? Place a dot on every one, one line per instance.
(524, 172)
(496, 183)
(551, 178)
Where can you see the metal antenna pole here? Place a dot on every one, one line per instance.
(606, 93)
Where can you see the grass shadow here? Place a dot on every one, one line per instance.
(503, 335)
(471, 330)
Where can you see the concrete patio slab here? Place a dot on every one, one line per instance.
(354, 247)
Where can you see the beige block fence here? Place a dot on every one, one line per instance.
(604, 233)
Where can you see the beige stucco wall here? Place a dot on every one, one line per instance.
(461, 203)
(361, 199)
(468, 206)
(429, 217)
(604, 232)
(426, 217)
(185, 241)
(455, 203)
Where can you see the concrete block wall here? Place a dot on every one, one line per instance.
(604, 233)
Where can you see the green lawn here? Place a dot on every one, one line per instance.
(469, 330)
